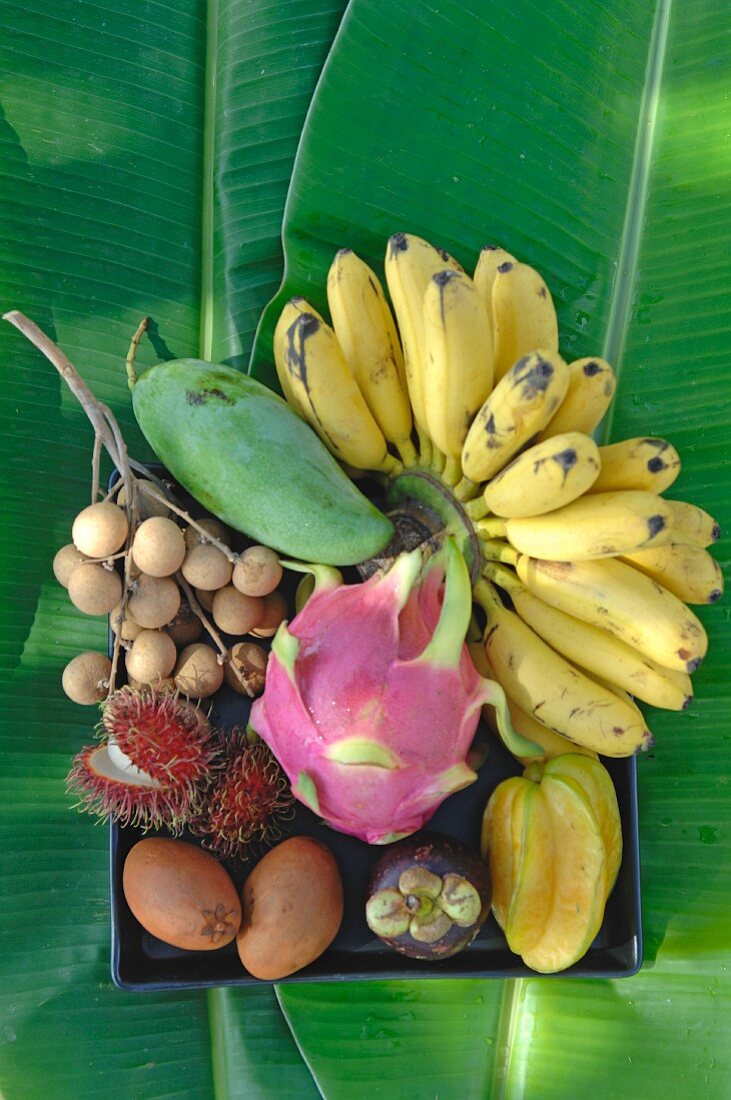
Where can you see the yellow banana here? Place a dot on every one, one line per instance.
(692, 524)
(326, 391)
(643, 463)
(545, 477)
(524, 317)
(612, 595)
(601, 525)
(592, 383)
(366, 331)
(688, 571)
(291, 311)
(553, 744)
(409, 265)
(595, 650)
(546, 686)
(490, 260)
(457, 358)
(522, 402)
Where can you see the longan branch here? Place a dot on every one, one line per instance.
(95, 464)
(197, 610)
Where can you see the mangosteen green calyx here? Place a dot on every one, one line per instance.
(428, 896)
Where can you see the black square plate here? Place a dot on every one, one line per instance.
(141, 962)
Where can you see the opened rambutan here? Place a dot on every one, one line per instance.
(156, 757)
(248, 803)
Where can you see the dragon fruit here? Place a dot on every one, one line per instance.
(372, 700)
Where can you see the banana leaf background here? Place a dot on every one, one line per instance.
(150, 154)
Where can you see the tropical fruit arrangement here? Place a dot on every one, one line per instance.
(462, 546)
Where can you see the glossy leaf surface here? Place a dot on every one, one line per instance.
(146, 153)
(589, 140)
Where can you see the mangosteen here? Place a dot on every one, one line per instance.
(428, 896)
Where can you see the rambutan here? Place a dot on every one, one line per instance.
(249, 802)
(157, 756)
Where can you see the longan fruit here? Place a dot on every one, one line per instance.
(275, 611)
(65, 561)
(153, 601)
(94, 589)
(167, 684)
(126, 627)
(158, 547)
(234, 612)
(185, 628)
(151, 656)
(257, 572)
(212, 526)
(86, 677)
(205, 599)
(147, 505)
(198, 673)
(206, 567)
(245, 671)
(100, 530)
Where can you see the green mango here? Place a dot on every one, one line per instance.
(243, 454)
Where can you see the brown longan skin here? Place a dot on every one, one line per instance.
(153, 601)
(85, 678)
(100, 530)
(185, 628)
(212, 526)
(94, 589)
(125, 627)
(206, 567)
(245, 670)
(197, 672)
(235, 613)
(65, 561)
(257, 572)
(151, 656)
(275, 612)
(158, 547)
(147, 505)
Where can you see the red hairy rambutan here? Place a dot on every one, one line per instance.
(248, 803)
(156, 757)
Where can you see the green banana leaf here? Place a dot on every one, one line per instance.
(147, 153)
(592, 142)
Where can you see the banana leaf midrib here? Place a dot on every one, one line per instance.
(630, 241)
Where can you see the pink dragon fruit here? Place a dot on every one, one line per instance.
(371, 698)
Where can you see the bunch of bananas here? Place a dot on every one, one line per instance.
(585, 571)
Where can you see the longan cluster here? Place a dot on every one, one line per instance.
(179, 578)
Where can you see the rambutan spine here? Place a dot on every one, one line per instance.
(156, 758)
(249, 803)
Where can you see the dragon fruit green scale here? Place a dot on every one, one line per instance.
(372, 700)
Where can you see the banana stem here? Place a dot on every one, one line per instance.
(476, 508)
(452, 470)
(466, 490)
(390, 466)
(407, 451)
(425, 446)
(497, 550)
(437, 460)
(501, 576)
(491, 528)
(486, 597)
